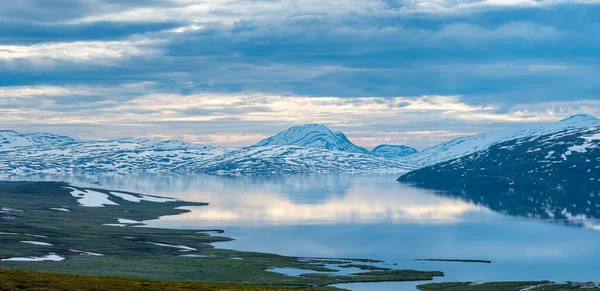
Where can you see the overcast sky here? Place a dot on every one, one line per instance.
(231, 72)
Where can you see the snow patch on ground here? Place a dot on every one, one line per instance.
(128, 221)
(114, 224)
(181, 247)
(50, 257)
(60, 209)
(39, 243)
(87, 253)
(36, 235)
(140, 198)
(89, 198)
(197, 256)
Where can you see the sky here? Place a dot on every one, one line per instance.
(232, 72)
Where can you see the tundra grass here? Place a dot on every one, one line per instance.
(21, 280)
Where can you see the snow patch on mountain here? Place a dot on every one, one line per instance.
(467, 145)
(313, 136)
(10, 139)
(570, 158)
(299, 160)
(392, 151)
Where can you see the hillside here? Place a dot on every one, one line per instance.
(569, 158)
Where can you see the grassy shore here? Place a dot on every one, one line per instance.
(43, 218)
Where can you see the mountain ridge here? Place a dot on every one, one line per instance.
(569, 158)
(463, 146)
(313, 136)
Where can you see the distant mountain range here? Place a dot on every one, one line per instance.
(567, 158)
(298, 150)
(393, 151)
(10, 139)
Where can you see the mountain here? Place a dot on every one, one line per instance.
(64, 155)
(10, 139)
(313, 136)
(565, 159)
(299, 160)
(392, 151)
(120, 156)
(467, 145)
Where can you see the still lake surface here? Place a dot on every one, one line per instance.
(375, 217)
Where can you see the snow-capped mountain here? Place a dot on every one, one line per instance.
(108, 156)
(64, 155)
(392, 151)
(568, 158)
(10, 139)
(294, 160)
(467, 145)
(313, 136)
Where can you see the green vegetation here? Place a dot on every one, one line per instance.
(365, 267)
(20, 280)
(506, 286)
(94, 249)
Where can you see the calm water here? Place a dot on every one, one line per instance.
(378, 218)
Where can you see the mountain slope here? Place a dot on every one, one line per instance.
(156, 156)
(10, 139)
(467, 145)
(298, 160)
(392, 151)
(569, 158)
(313, 136)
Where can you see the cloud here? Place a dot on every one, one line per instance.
(465, 32)
(231, 72)
(92, 52)
(450, 6)
(242, 119)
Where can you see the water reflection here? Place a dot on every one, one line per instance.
(329, 199)
(575, 207)
(379, 218)
(334, 199)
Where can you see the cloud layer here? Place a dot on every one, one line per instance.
(234, 71)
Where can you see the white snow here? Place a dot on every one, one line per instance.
(50, 257)
(114, 224)
(87, 253)
(467, 145)
(128, 221)
(36, 235)
(181, 247)
(312, 136)
(140, 198)
(89, 198)
(592, 137)
(305, 149)
(61, 209)
(39, 243)
(7, 233)
(197, 256)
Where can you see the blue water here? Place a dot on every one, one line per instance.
(376, 217)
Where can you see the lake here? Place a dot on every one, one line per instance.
(527, 234)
